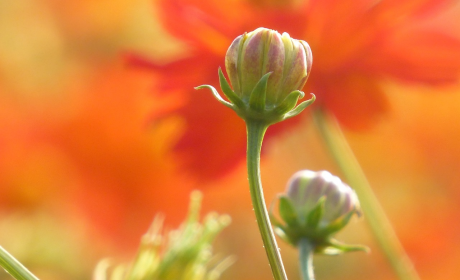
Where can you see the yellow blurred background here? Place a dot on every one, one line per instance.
(85, 163)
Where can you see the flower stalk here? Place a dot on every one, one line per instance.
(306, 250)
(267, 71)
(256, 131)
(14, 267)
(379, 224)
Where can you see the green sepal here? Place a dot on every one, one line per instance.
(334, 247)
(231, 95)
(216, 95)
(258, 94)
(280, 232)
(337, 225)
(288, 212)
(315, 215)
(275, 222)
(297, 110)
(289, 102)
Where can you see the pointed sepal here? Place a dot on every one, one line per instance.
(287, 211)
(289, 102)
(297, 110)
(231, 95)
(315, 215)
(275, 222)
(216, 95)
(258, 94)
(337, 225)
(281, 232)
(334, 247)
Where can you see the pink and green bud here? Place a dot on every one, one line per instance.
(307, 189)
(262, 51)
(267, 71)
(316, 206)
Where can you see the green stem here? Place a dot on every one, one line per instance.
(256, 131)
(306, 259)
(376, 218)
(14, 267)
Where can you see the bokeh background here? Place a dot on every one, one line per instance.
(100, 128)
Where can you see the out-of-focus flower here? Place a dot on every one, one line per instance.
(306, 188)
(316, 205)
(357, 45)
(266, 70)
(73, 132)
(93, 155)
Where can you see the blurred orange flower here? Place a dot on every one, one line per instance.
(74, 137)
(93, 155)
(356, 46)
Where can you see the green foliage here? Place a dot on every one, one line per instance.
(181, 254)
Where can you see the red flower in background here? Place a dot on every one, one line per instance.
(355, 44)
(93, 156)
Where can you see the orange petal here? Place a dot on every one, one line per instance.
(357, 101)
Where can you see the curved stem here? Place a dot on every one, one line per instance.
(379, 224)
(306, 259)
(256, 131)
(14, 267)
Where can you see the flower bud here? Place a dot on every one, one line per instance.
(316, 205)
(267, 70)
(254, 54)
(306, 188)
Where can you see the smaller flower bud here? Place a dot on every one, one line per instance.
(316, 205)
(306, 188)
(267, 71)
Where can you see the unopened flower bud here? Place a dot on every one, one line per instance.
(306, 188)
(262, 51)
(316, 205)
(267, 71)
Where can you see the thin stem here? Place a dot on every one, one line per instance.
(14, 267)
(256, 131)
(379, 224)
(306, 259)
